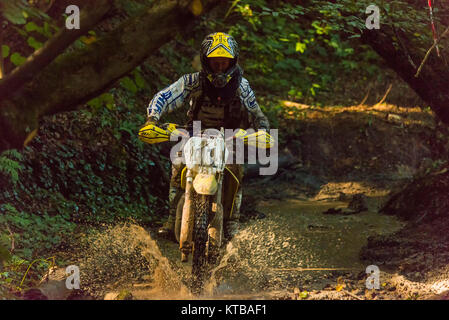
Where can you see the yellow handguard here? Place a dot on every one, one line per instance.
(259, 139)
(171, 129)
(240, 134)
(153, 134)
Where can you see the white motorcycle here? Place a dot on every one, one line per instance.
(210, 190)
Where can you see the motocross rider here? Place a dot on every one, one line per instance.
(219, 97)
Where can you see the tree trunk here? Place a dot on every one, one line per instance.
(433, 81)
(90, 16)
(75, 78)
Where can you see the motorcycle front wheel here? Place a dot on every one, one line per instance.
(202, 205)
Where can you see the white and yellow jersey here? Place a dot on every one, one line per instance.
(188, 87)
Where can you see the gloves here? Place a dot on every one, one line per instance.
(150, 120)
(263, 125)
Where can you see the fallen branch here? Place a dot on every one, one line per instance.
(311, 269)
(386, 94)
(367, 95)
(90, 16)
(351, 294)
(430, 50)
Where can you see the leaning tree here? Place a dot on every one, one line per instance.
(55, 79)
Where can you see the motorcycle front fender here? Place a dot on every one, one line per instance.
(205, 184)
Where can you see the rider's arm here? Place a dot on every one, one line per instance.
(248, 99)
(173, 96)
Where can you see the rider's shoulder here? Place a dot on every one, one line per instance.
(244, 88)
(191, 80)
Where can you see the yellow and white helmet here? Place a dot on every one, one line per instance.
(219, 44)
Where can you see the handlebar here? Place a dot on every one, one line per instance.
(152, 134)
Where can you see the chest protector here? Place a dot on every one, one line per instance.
(219, 107)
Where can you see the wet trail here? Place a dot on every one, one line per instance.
(295, 247)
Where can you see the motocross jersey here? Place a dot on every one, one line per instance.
(240, 110)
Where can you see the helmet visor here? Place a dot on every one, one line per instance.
(219, 64)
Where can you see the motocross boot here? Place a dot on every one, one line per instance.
(168, 228)
(231, 227)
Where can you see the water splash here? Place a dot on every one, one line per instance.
(122, 255)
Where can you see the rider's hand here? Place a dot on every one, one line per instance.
(263, 124)
(150, 120)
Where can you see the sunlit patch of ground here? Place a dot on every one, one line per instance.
(388, 112)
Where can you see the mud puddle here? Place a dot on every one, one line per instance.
(295, 248)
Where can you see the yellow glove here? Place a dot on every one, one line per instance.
(150, 120)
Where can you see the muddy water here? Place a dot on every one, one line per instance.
(295, 246)
(325, 240)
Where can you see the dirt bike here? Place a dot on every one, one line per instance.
(210, 190)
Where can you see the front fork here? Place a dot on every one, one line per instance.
(216, 225)
(187, 221)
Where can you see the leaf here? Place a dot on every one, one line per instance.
(128, 84)
(17, 59)
(304, 294)
(196, 7)
(31, 26)
(17, 11)
(46, 30)
(140, 81)
(88, 40)
(301, 47)
(5, 51)
(95, 103)
(12, 11)
(339, 287)
(33, 43)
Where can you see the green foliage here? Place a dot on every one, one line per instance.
(18, 11)
(286, 55)
(5, 51)
(139, 79)
(128, 84)
(103, 100)
(33, 43)
(307, 53)
(9, 164)
(4, 255)
(17, 59)
(34, 232)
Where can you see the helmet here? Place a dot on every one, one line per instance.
(219, 44)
